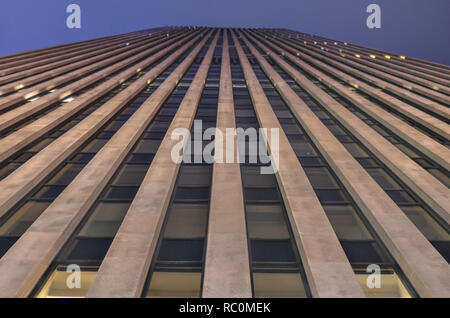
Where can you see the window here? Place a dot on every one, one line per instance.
(328, 196)
(56, 284)
(355, 150)
(191, 193)
(131, 174)
(175, 284)
(278, 285)
(261, 194)
(186, 221)
(346, 223)
(426, 224)
(23, 218)
(194, 175)
(67, 173)
(303, 149)
(266, 222)
(391, 285)
(272, 251)
(362, 252)
(148, 146)
(383, 179)
(105, 220)
(122, 193)
(320, 178)
(181, 250)
(49, 192)
(400, 197)
(252, 177)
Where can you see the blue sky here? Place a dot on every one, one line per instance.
(418, 28)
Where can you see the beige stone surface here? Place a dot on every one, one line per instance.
(425, 268)
(327, 269)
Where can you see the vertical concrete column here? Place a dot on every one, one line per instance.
(328, 271)
(126, 265)
(227, 266)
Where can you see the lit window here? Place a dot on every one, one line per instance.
(278, 285)
(175, 284)
(390, 285)
(56, 286)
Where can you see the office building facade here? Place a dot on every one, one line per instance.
(347, 195)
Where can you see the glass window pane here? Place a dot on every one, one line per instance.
(266, 222)
(426, 224)
(181, 250)
(95, 145)
(22, 219)
(320, 178)
(346, 223)
(391, 285)
(303, 149)
(67, 173)
(440, 176)
(400, 196)
(361, 252)
(383, 179)
(272, 251)
(131, 174)
(192, 193)
(261, 194)
(122, 193)
(186, 221)
(328, 196)
(252, 177)
(278, 285)
(355, 150)
(49, 192)
(93, 249)
(197, 176)
(175, 284)
(148, 146)
(105, 220)
(56, 284)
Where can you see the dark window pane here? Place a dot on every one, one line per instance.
(330, 196)
(261, 194)
(181, 250)
(140, 158)
(252, 177)
(320, 178)
(67, 173)
(196, 176)
(361, 252)
(443, 248)
(90, 249)
(6, 243)
(131, 175)
(191, 193)
(310, 161)
(272, 251)
(400, 197)
(49, 192)
(122, 193)
(83, 158)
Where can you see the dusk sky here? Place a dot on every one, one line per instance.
(418, 28)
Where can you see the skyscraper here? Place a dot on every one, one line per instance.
(333, 183)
